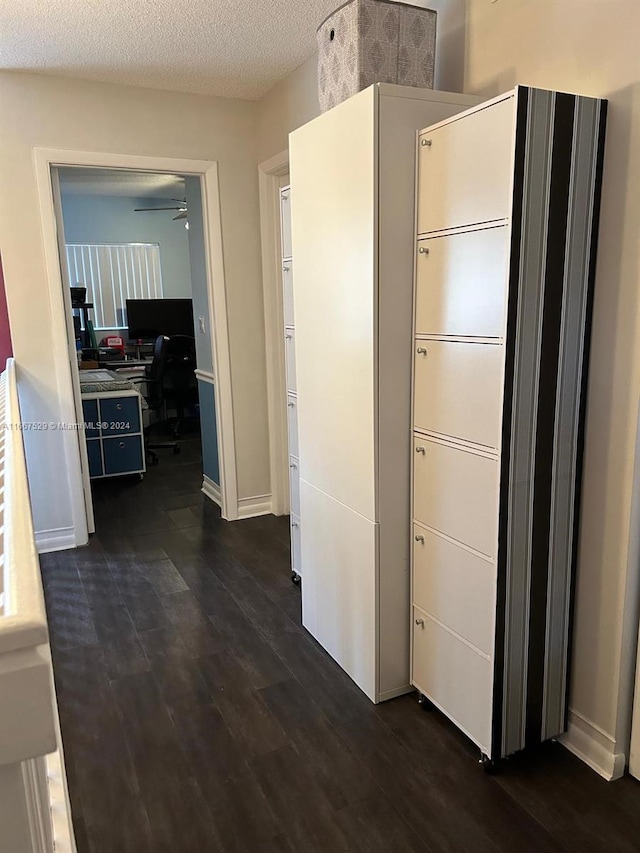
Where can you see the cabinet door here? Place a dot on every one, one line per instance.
(94, 456)
(294, 485)
(120, 414)
(458, 390)
(292, 423)
(461, 283)
(290, 359)
(285, 221)
(465, 169)
(123, 455)
(91, 416)
(456, 492)
(455, 586)
(455, 677)
(287, 292)
(296, 548)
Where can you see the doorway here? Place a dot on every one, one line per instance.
(195, 184)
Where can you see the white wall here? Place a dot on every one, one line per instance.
(589, 47)
(111, 219)
(58, 112)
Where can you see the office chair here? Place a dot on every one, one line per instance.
(180, 386)
(154, 377)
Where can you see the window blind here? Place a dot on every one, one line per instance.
(113, 273)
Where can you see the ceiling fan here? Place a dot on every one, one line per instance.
(182, 209)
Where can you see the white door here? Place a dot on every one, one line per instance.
(71, 347)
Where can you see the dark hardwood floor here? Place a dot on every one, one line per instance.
(197, 714)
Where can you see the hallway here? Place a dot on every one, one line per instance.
(198, 716)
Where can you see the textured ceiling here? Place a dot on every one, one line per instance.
(120, 182)
(233, 48)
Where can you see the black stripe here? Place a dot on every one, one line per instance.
(562, 151)
(591, 278)
(510, 347)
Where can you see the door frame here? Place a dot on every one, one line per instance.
(269, 174)
(207, 171)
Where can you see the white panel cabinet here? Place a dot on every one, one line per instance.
(290, 372)
(352, 207)
(505, 240)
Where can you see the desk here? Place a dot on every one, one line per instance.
(114, 432)
(130, 362)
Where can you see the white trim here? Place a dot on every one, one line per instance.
(269, 173)
(207, 171)
(205, 375)
(63, 835)
(36, 798)
(57, 539)
(594, 746)
(211, 490)
(252, 507)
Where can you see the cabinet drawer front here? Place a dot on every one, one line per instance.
(285, 222)
(454, 676)
(458, 390)
(465, 169)
(91, 416)
(290, 359)
(456, 493)
(454, 586)
(294, 485)
(287, 292)
(123, 455)
(296, 548)
(292, 423)
(94, 456)
(120, 414)
(461, 283)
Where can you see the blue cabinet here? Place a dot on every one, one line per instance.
(113, 430)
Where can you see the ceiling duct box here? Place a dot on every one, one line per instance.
(374, 41)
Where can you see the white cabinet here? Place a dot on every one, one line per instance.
(352, 207)
(505, 247)
(290, 372)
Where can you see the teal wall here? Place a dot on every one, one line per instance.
(111, 219)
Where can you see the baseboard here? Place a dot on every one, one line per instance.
(252, 507)
(591, 744)
(63, 835)
(211, 490)
(398, 691)
(58, 539)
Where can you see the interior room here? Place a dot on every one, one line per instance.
(320, 516)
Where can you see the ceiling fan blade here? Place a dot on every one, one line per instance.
(145, 209)
(182, 215)
(182, 201)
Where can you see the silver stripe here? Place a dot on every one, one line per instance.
(570, 368)
(531, 289)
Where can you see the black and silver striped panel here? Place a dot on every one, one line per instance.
(559, 142)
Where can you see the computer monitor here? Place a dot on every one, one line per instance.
(148, 318)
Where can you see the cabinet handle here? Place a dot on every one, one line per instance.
(295, 524)
(420, 622)
(420, 449)
(419, 538)
(293, 465)
(119, 406)
(121, 444)
(291, 405)
(288, 337)
(423, 250)
(425, 142)
(286, 269)
(421, 350)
